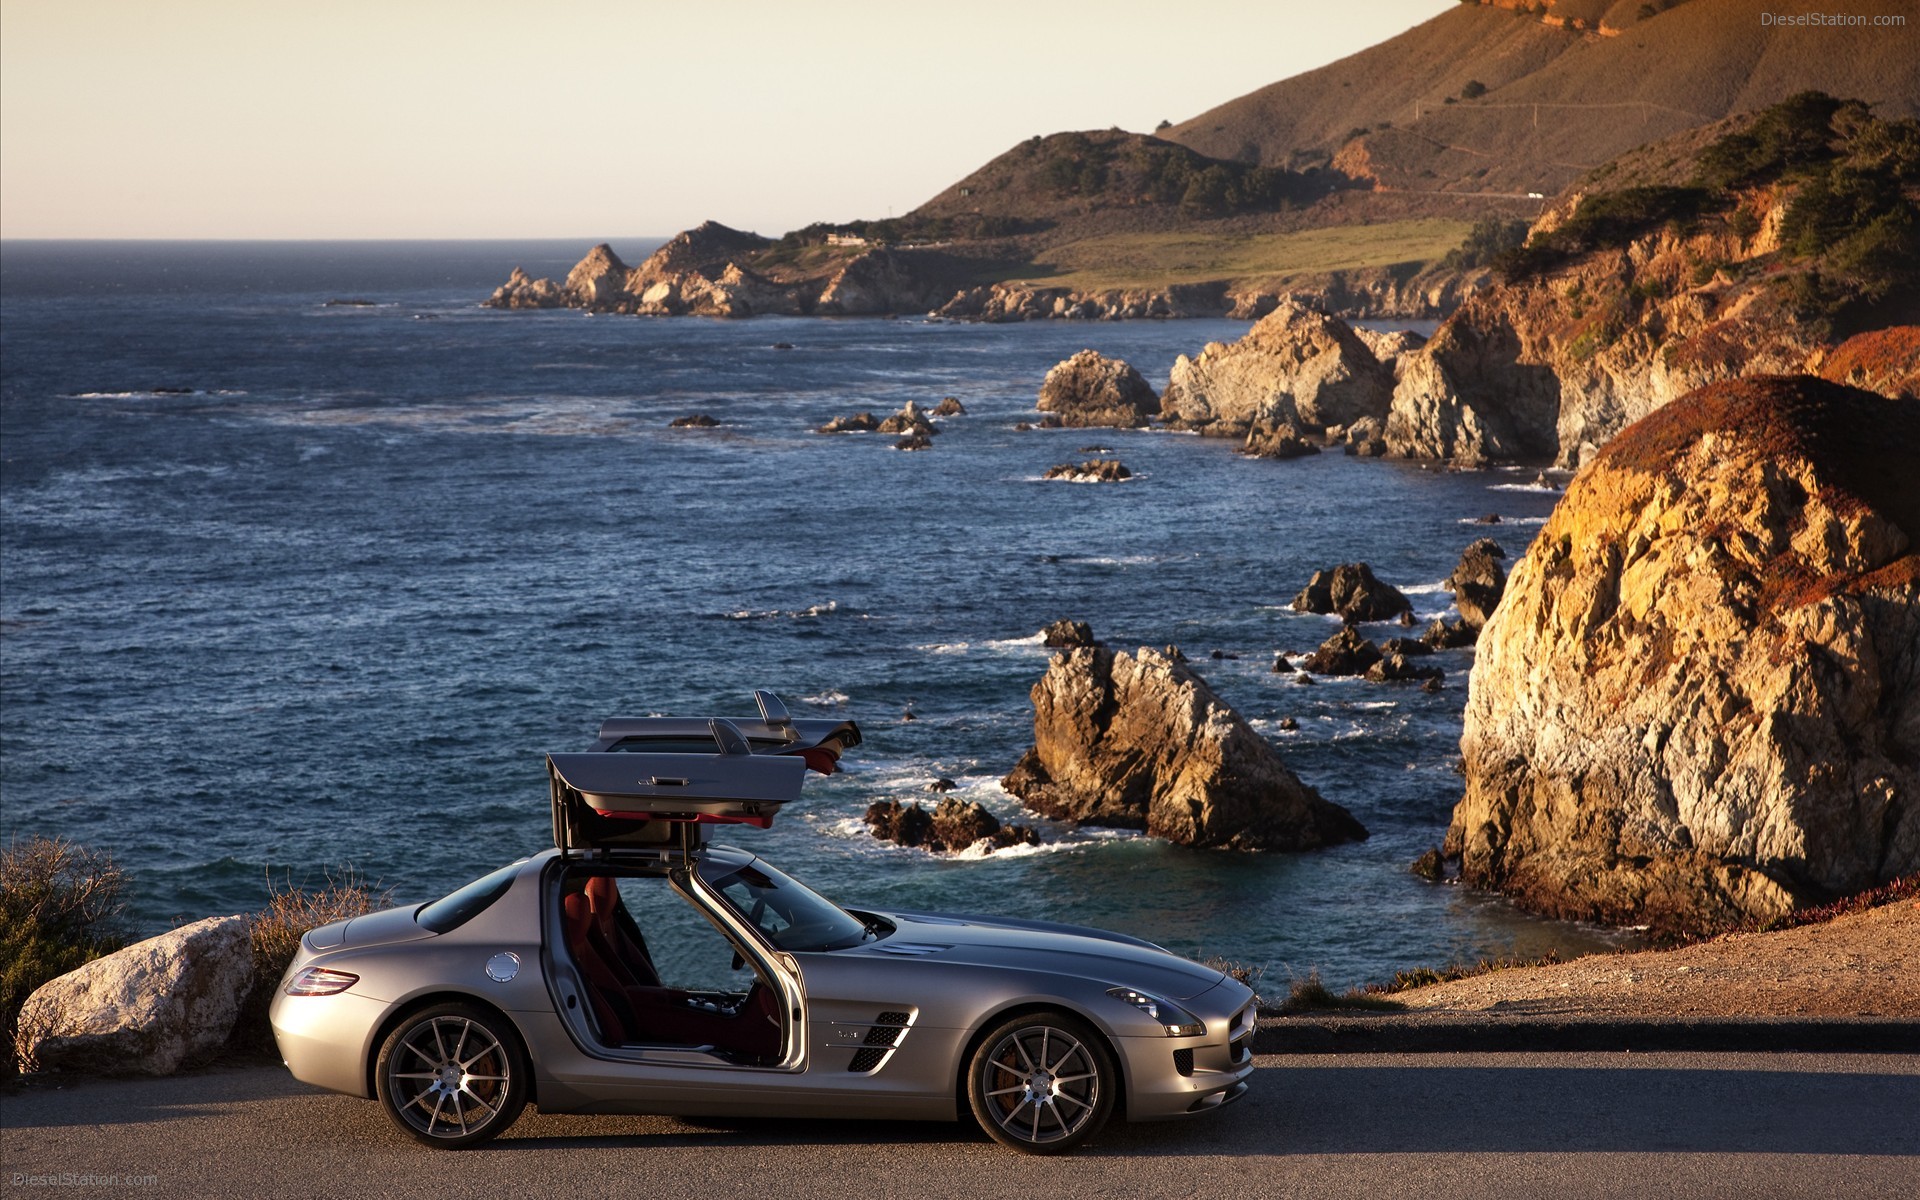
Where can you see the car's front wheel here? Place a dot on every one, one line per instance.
(452, 1075)
(1042, 1082)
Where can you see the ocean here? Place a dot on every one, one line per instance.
(292, 589)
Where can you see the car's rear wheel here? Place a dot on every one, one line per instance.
(1042, 1082)
(452, 1075)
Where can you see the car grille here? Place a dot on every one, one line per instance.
(1240, 1050)
(1183, 1061)
(889, 1029)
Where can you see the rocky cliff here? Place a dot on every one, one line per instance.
(1698, 702)
(1138, 741)
(1791, 227)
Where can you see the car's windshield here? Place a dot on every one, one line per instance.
(792, 916)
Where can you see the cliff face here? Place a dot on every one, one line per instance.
(1552, 366)
(1698, 702)
(1734, 251)
(1138, 741)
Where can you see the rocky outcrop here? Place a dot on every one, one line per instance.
(1698, 703)
(694, 421)
(1348, 652)
(861, 422)
(1094, 470)
(950, 406)
(1282, 441)
(1392, 349)
(1296, 365)
(1478, 581)
(1351, 592)
(1068, 633)
(149, 1009)
(523, 291)
(911, 419)
(1141, 742)
(953, 825)
(1474, 395)
(1092, 389)
(879, 281)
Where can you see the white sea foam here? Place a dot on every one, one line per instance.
(1543, 489)
(1425, 589)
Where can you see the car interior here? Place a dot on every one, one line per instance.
(632, 1005)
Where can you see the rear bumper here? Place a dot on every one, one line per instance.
(327, 1040)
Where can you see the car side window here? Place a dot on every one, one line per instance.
(687, 950)
(455, 910)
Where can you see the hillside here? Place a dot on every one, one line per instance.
(1554, 100)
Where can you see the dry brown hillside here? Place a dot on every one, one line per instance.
(1558, 100)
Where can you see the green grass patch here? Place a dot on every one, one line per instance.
(1129, 260)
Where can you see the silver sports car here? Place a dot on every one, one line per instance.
(636, 968)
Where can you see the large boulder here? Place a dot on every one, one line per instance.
(1296, 365)
(1351, 592)
(1092, 389)
(149, 1009)
(1698, 704)
(1138, 741)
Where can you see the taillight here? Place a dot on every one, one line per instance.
(319, 981)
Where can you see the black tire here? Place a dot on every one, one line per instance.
(1042, 1082)
(452, 1076)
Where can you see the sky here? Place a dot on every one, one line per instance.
(588, 118)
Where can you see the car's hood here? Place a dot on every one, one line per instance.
(1043, 946)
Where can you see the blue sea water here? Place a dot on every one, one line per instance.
(291, 587)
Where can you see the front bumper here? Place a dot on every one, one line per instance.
(1178, 1077)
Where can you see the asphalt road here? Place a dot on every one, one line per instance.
(1446, 1125)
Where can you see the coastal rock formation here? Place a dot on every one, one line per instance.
(1392, 349)
(910, 419)
(1348, 652)
(149, 1009)
(879, 281)
(1351, 592)
(1092, 389)
(694, 421)
(1698, 703)
(862, 422)
(1094, 470)
(1141, 742)
(1681, 264)
(950, 406)
(1068, 633)
(1478, 581)
(523, 291)
(1285, 440)
(953, 825)
(1297, 365)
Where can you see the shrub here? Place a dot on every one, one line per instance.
(60, 908)
(1485, 243)
(1474, 90)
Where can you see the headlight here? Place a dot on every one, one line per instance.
(1177, 1021)
(319, 981)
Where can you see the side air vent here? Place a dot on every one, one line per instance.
(888, 1030)
(1183, 1061)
